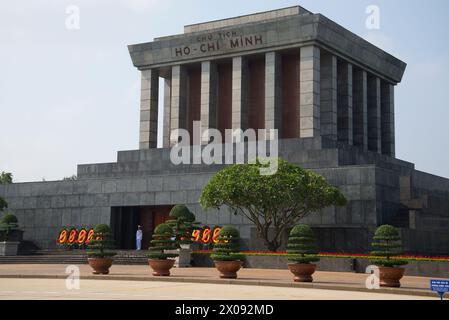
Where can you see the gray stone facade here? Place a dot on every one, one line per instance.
(345, 132)
(380, 190)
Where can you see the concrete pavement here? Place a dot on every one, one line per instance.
(417, 286)
(55, 289)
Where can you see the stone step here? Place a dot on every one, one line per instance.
(68, 259)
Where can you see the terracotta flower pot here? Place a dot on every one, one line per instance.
(228, 269)
(161, 267)
(302, 271)
(390, 277)
(100, 265)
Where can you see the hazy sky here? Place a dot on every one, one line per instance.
(72, 96)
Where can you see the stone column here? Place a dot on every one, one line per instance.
(328, 93)
(344, 103)
(387, 116)
(149, 95)
(374, 122)
(309, 92)
(240, 86)
(209, 96)
(178, 111)
(167, 109)
(273, 91)
(360, 107)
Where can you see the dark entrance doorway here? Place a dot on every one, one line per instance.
(124, 222)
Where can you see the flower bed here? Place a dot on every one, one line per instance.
(334, 255)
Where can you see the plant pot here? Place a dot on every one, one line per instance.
(100, 265)
(9, 248)
(161, 268)
(228, 269)
(302, 271)
(390, 277)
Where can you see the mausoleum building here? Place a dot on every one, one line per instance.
(328, 92)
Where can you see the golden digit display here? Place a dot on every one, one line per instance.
(72, 236)
(205, 235)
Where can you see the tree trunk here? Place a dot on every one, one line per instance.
(272, 246)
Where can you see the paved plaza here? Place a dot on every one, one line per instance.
(54, 289)
(40, 280)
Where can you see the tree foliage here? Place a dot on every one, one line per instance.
(3, 204)
(228, 246)
(386, 245)
(182, 221)
(302, 245)
(102, 243)
(274, 202)
(5, 177)
(163, 239)
(8, 224)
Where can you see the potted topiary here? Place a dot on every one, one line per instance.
(302, 248)
(100, 249)
(226, 254)
(160, 260)
(8, 225)
(182, 221)
(386, 245)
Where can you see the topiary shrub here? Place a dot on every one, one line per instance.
(228, 246)
(386, 245)
(8, 224)
(182, 221)
(180, 211)
(102, 243)
(302, 245)
(163, 239)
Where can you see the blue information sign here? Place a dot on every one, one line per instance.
(440, 286)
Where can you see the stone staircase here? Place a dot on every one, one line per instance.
(73, 257)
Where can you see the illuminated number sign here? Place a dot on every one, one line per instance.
(63, 235)
(206, 235)
(215, 234)
(72, 236)
(90, 235)
(82, 236)
(196, 235)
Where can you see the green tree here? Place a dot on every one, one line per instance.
(5, 177)
(3, 204)
(102, 243)
(228, 246)
(302, 245)
(8, 224)
(386, 245)
(272, 202)
(163, 239)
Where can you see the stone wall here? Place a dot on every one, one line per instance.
(371, 182)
